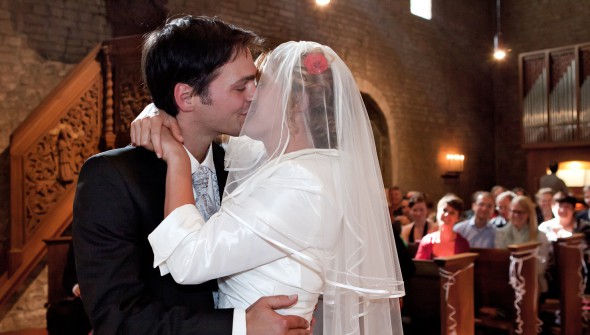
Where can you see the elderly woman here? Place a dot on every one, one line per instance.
(444, 242)
(522, 228)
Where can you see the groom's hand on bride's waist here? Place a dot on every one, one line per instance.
(262, 319)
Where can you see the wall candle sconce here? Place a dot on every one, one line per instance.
(453, 165)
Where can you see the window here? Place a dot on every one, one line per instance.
(422, 8)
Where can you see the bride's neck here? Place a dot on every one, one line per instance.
(298, 136)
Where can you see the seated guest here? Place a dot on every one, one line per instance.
(444, 242)
(497, 190)
(564, 224)
(521, 228)
(414, 232)
(405, 258)
(478, 230)
(406, 207)
(519, 191)
(583, 216)
(405, 218)
(583, 221)
(544, 209)
(395, 199)
(583, 226)
(503, 201)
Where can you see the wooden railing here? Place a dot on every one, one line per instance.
(89, 111)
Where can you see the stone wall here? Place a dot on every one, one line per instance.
(29, 310)
(40, 41)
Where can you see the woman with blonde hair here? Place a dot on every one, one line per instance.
(523, 228)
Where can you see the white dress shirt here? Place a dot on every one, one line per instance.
(239, 318)
(554, 230)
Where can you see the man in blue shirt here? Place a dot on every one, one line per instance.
(478, 230)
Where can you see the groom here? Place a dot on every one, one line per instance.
(200, 69)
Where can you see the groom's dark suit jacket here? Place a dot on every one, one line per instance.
(119, 201)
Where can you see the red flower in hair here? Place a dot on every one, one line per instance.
(315, 63)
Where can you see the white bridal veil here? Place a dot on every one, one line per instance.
(307, 99)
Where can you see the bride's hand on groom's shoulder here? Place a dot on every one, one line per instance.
(262, 319)
(146, 129)
(172, 151)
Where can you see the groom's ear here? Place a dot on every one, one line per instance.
(183, 94)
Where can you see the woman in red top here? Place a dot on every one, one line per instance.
(444, 242)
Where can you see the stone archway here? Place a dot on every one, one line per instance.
(381, 136)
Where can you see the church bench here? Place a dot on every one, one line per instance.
(439, 297)
(568, 259)
(506, 288)
(57, 256)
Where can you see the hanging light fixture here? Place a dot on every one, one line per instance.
(322, 2)
(499, 49)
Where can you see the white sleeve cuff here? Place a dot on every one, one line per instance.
(239, 324)
(176, 227)
(163, 269)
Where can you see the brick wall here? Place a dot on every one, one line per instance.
(432, 77)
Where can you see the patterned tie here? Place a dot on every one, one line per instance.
(207, 191)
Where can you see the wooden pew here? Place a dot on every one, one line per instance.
(57, 255)
(567, 258)
(493, 291)
(426, 304)
(413, 249)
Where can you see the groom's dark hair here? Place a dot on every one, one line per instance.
(190, 50)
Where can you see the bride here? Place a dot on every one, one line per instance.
(303, 210)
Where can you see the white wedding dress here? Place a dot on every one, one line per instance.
(264, 240)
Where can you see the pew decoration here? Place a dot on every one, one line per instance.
(582, 272)
(496, 296)
(518, 282)
(449, 276)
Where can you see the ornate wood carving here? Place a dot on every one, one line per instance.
(109, 134)
(132, 99)
(54, 163)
